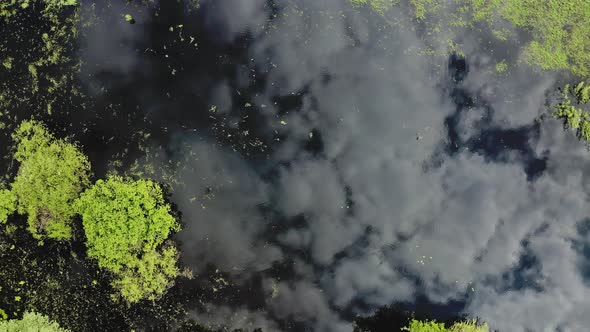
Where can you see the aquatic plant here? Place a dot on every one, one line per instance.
(573, 116)
(31, 322)
(126, 223)
(51, 175)
(379, 6)
(129, 19)
(558, 28)
(9, 8)
(501, 66)
(42, 67)
(433, 326)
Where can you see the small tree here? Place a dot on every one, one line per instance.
(126, 224)
(32, 322)
(52, 174)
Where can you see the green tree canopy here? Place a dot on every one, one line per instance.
(31, 322)
(7, 204)
(126, 224)
(52, 173)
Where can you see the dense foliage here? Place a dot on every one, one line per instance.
(52, 173)
(31, 322)
(7, 204)
(126, 223)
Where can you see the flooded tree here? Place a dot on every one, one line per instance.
(51, 175)
(31, 322)
(126, 223)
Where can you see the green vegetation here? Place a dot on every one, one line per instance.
(129, 19)
(574, 117)
(58, 280)
(31, 322)
(560, 32)
(52, 173)
(9, 8)
(433, 326)
(379, 6)
(501, 66)
(7, 204)
(126, 223)
(42, 68)
(559, 29)
(422, 7)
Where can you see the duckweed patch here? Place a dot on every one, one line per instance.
(558, 29)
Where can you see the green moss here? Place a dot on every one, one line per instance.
(32, 322)
(126, 223)
(51, 175)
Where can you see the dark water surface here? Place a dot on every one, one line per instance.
(324, 169)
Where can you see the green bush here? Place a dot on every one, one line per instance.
(126, 224)
(52, 174)
(31, 322)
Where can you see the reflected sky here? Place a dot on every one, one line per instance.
(328, 167)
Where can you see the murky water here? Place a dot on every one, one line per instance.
(326, 169)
